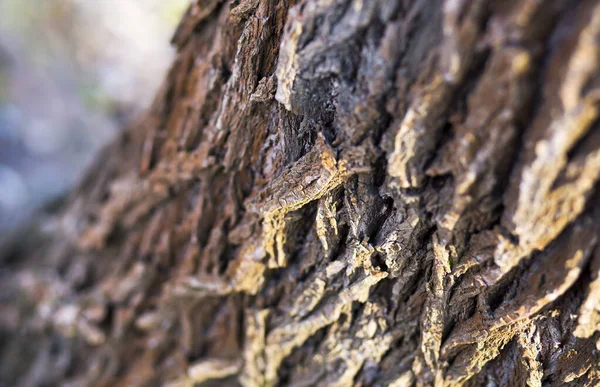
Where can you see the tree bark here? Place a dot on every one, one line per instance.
(334, 193)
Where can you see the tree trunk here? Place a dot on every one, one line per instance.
(334, 193)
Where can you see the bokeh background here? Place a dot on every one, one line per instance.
(72, 72)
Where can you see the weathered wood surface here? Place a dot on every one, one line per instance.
(334, 193)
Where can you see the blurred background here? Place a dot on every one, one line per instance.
(71, 73)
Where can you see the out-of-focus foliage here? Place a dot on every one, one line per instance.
(71, 72)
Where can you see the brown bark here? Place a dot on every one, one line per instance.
(335, 192)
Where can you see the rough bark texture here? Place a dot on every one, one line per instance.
(335, 193)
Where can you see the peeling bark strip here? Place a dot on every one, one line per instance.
(334, 193)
